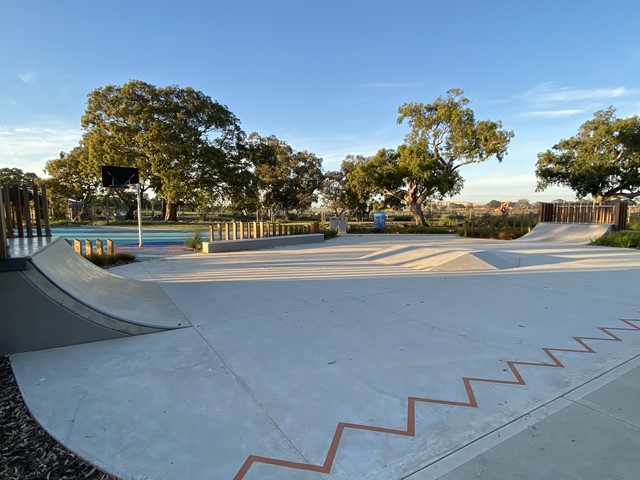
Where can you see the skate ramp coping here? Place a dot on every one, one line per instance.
(61, 299)
(576, 233)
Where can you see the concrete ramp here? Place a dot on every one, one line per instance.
(474, 261)
(403, 255)
(576, 233)
(59, 298)
(442, 260)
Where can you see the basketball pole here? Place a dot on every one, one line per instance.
(139, 215)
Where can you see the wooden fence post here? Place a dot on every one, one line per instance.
(99, 247)
(210, 232)
(45, 208)
(620, 214)
(4, 251)
(77, 246)
(17, 209)
(26, 211)
(37, 209)
(110, 247)
(234, 230)
(88, 248)
(7, 211)
(226, 230)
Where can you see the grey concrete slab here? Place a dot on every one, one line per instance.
(150, 407)
(315, 353)
(619, 399)
(576, 443)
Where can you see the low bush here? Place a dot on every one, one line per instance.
(401, 229)
(623, 239)
(328, 233)
(106, 261)
(193, 240)
(497, 232)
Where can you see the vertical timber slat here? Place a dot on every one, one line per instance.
(45, 207)
(26, 211)
(4, 250)
(7, 211)
(37, 208)
(17, 208)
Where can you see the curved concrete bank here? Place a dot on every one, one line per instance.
(59, 298)
(581, 233)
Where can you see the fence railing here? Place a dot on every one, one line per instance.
(24, 212)
(247, 230)
(613, 214)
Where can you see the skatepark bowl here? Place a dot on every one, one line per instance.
(364, 357)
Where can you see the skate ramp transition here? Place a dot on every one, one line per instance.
(442, 260)
(581, 233)
(59, 298)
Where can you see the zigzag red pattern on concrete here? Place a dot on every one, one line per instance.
(471, 401)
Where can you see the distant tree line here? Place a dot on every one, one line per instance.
(190, 150)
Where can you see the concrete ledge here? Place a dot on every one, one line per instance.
(258, 243)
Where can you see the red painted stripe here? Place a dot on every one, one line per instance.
(411, 404)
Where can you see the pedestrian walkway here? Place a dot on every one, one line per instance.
(323, 362)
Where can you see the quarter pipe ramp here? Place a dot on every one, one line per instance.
(59, 298)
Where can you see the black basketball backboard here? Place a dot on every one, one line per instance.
(119, 177)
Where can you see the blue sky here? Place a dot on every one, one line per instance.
(327, 76)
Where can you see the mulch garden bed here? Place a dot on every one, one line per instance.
(27, 452)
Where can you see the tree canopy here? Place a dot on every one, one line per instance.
(73, 176)
(286, 180)
(602, 160)
(15, 176)
(444, 136)
(179, 138)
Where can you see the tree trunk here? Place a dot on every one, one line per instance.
(414, 204)
(170, 212)
(416, 209)
(131, 210)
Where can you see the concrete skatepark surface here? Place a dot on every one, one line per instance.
(360, 359)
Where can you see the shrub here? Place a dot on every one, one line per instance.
(624, 239)
(401, 229)
(106, 261)
(194, 240)
(328, 233)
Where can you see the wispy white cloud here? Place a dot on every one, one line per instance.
(550, 100)
(28, 77)
(28, 147)
(553, 92)
(569, 112)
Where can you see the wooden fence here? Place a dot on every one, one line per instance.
(613, 214)
(246, 230)
(89, 250)
(24, 212)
